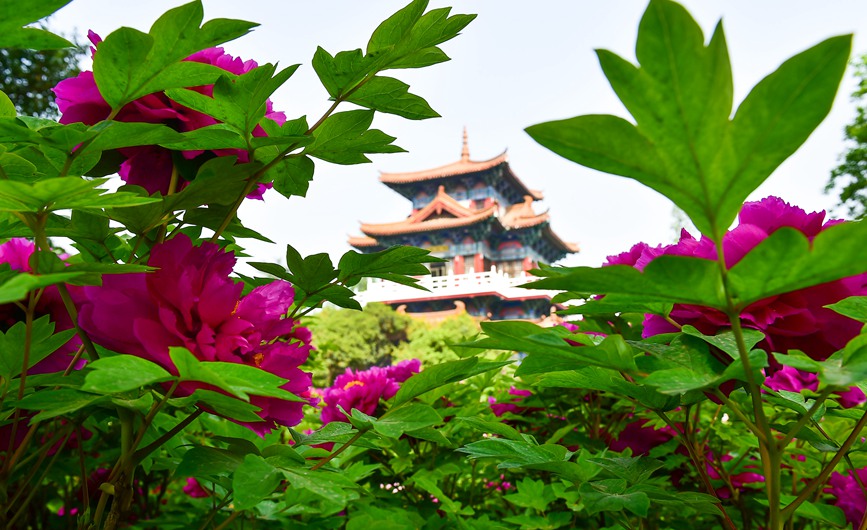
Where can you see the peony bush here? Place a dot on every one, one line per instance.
(716, 382)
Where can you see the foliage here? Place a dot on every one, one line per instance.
(27, 77)
(849, 179)
(356, 339)
(713, 383)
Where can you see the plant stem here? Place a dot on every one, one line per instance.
(826, 471)
(33, 491)
(342, 448)
(225, 524)
(803, 420)
(168, 435)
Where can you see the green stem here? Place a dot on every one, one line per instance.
(225, 524)
(826, 471)
(21, 510)
(342, 448)
(700, 468)
(168, 435)
(802, 421)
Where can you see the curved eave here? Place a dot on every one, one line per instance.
(394, 229)
(461, 167)
(362, 241)
(570, 248)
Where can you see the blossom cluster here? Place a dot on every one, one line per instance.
(363, 389)
(190, 301)
(797, 320)
(152, 166)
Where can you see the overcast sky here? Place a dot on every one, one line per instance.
(519, 63)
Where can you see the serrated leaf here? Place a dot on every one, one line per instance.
(121, 373)
(392, 96)
(345, 137)
(442, 374)
(253, 480)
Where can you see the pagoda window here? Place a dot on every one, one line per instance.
(421, 200)
(480, 191)
(511, 268)
(439, 269)
(459, 193)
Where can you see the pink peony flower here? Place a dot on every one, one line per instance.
(194, 489)
(794, 380)
(641, 438)
(794, 320)
(848, 494)
(512, 405)
(191, 302)
(403, 370)
(363, 389)
(150, 167)
(16, 252)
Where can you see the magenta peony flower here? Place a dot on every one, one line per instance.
(363, 389)
(794, 320)
(194, 489)
(739, 481)
(640, 437)
(16, 252)
(848, 494)
(794, 380)
(403, 370)
(512, 405)
(191, 302)
(150, 167)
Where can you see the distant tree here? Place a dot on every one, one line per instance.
(345, 338)
(850, 177)
(431, 343)
(29, 75)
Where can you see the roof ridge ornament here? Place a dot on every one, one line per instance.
(465, 149)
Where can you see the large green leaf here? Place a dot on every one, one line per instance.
(667, 279)
(131, 64)
(14, 15)
(345, 138)
(683, 143)
(442, 374)
(121, 373)
(43, 342)
(787, 261)
(253, 480)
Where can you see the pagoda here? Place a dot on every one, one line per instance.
(479, 216)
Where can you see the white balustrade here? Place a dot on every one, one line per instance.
(451, 286)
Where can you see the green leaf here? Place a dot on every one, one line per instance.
(118, 134)
(666, 279)
(683, 144)
(121, 373)
(495, 427)
(58, 402)
(392, 96)
(854, 307)
(725, 340)
(599, 497)
(442, 374)
(63, 194)
(15, 286)
(13, 15)
(131, 64)
(43, 342)
(252, 380)
(254, 480)
(411, 417)
(398, 264)
(7, 108)
(551, 346)
(787, 261)
(226, 406)
(201, 461)
(345, 137)
(292, 176)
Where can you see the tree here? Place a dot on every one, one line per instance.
(346, 338)
(850, 177)
(29, 75)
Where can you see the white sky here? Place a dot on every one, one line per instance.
(519, 63)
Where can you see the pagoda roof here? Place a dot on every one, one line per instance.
(429, 218)
(464, 166)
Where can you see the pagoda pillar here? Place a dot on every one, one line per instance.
(527, 264)
(459, 265)
(478, 263)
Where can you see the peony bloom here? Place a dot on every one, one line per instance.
(16, 253)
(795, 320)
(640, 437)
(848, 494)
(363, 389)
(191, 302)
(794, 380)
(194, 489)
(150, 167)
(512, 405)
